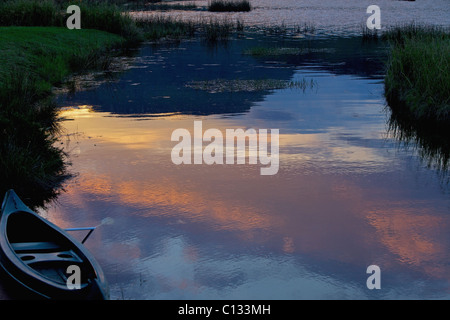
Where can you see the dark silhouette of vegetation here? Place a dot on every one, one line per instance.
(229, 6)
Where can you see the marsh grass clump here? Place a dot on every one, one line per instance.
(229, 6)
(112, 19)
(369, 34)
(30, 13)
(217, 30)
(398, 34)
(30, 162)
(154, 27)
(417, 79)
(305, 28)
(163, 6)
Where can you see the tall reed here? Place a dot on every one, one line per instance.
(229, 6)
(418, 72)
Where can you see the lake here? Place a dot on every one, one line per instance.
(330, 17)
(348, 193)
(350, 190)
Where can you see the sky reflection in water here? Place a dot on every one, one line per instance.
(345, 196)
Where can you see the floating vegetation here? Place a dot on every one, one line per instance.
(240, 85)
(279, 51)
(296, 30)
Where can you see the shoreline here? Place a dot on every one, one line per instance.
(34, 60)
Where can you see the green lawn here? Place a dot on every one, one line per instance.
(32, 61)
(49, 54)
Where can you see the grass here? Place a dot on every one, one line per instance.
(155, 27)
(369, 34)
(51, 13)
(161, 6)
(218, 30)
(37, 52)
(418, 72)
(49, 54)
(32, 60)
(229, 6)
(110, 16)
(30, 13)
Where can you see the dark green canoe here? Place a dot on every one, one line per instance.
(44, 259)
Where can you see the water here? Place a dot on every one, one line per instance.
(342, 17)
(347, 195)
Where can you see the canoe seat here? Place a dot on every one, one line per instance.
(50, 257)
(33, 252)
(22, 247)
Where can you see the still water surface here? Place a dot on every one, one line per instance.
(347, 194)
(328, 16)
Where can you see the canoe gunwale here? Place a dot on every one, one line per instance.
(23, 273)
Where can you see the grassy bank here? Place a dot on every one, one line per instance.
(96, 15)
(32, 60)
(49, 54)
(37, 52)
(112, 17)
(417, 80)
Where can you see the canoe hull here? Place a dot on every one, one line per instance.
(36, 255)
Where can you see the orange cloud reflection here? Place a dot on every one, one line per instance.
(306, 208)
(184, 203)
(412, 238)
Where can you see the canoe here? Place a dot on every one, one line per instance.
(44, 259)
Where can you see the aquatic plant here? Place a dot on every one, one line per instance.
(281, 51)
(249, 85)
(418, 72)
(155, 27)
(217, 30)
(369, 34)
(160, 6)
(229, 6)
